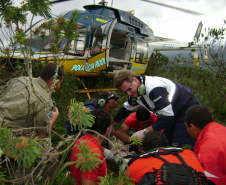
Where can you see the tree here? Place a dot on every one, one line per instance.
(23, 153)
(215, 44)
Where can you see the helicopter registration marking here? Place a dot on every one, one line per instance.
(101, 20)
(91, 66)
(170, 46)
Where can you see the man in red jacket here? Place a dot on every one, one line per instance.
(211, 142)
(139, 120)
(93, 140)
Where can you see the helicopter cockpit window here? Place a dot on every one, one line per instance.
(41, 40)
(78, 45)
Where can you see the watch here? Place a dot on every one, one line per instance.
(145, 131)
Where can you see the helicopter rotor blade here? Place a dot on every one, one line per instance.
(58, 1)
(174, 7)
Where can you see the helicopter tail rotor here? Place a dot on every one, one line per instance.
(198, 32)
(201, 46)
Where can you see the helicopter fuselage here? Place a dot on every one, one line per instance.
(108, 40)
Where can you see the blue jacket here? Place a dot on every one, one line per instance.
(167, 99)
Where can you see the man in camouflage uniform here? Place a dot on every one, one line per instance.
(27, 107)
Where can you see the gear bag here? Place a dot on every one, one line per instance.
(171, 173)
(93, 102)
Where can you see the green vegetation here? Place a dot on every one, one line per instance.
(19, 148)
(208, 86)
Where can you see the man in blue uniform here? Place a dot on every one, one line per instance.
(167, 99)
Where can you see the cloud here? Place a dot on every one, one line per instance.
(165, 22)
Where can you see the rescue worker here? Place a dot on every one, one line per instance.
(161, 164)
(211, 142)
(139, 120)
(107, 101)
(27, 107)
(93, 140)
(167, 99)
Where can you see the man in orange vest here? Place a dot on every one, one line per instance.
(162, 164)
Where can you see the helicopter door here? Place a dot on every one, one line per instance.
(141, 56)
(142, 51)
(108, 40)
(100, 48)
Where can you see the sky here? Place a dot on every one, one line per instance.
(165, 22)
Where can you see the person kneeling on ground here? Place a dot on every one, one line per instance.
(162, 164)
(107, 101)
(101, 125)
(139, 120)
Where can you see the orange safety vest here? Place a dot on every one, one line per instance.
(166, 166)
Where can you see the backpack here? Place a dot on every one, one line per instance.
(89, 103)
(171, 173)
(93, 102)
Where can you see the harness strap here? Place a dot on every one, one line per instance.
(162, 151)
(171, 179)
(171, 173)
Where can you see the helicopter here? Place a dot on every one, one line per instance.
(109, 40)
